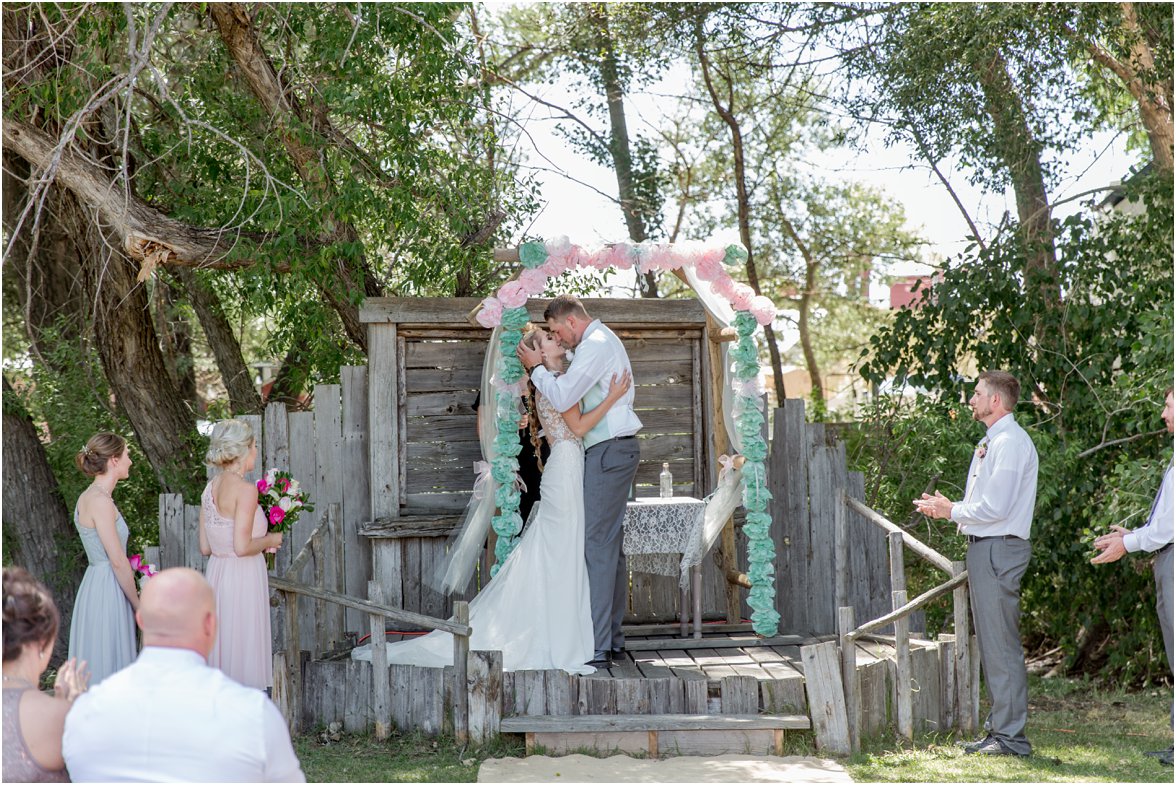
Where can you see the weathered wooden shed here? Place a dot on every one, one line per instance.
(387, 457)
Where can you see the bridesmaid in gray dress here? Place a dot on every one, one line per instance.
(102, 630)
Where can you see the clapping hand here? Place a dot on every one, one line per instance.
(73, 678)
(937, 506)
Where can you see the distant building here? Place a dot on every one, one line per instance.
(902, 291)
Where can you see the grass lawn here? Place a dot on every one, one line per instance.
(1079, 734)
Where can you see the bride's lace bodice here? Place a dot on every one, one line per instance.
(553, 423)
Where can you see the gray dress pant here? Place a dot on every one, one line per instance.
(1162, 569)
(609, 469)
(995, 568)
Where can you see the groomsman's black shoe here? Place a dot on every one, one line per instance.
(1163, 756)
(993, 746)
(601, 659)
(970, 746)
(617, 653)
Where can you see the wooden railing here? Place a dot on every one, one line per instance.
(966, 679)
(287, 691)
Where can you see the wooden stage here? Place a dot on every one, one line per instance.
(730, 672)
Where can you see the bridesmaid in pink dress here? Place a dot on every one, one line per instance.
(233, 536)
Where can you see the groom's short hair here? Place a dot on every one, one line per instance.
(564, 306)
(1005, 385)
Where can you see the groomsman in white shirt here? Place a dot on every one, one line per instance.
(995, 516)
(168, 716)
(611, 457)
(1154, 537)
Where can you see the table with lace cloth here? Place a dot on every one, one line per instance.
(663, 537)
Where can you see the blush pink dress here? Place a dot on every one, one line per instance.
(243, 648)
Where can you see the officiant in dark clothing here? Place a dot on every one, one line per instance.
(529, 470)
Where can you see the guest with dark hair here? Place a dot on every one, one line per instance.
(102, 628)
(33, 720)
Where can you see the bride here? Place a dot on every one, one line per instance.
(536, 609)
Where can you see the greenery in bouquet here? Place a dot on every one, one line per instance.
(282, 500)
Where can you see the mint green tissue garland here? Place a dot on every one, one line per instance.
(505, 466)
(749, 422)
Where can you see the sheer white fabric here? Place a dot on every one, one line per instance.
(465, 546)
(536, 609)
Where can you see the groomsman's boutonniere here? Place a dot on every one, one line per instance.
(982, 448)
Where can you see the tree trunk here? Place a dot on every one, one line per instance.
(743, 200)
(238, 380)
(176, 342)
(1022, 154)
(134, 366)
(38, 534)
(44, 279)
(622, 155)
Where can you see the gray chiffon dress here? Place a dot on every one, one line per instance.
(102, 630)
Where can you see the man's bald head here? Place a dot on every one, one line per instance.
(178, 610)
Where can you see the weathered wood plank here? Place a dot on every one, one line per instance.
(820, 588)
(172, 548)
(826, 697)
(790, 511)
(453, 310)
(366, 607)
(357, 498)
(381, 713)
(384, 428)
(485, 703)
(302, 466)
(739, 695)
(657, 722)
(328, 438)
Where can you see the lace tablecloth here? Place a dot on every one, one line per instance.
(663, 536)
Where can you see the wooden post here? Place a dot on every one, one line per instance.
(380, 709)
(840, 548)
(902, 639)
(967, 712)
(849, 680)
(722, 444)
(461, 694)
(902, 648)
(696, 591)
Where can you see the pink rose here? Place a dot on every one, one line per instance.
(512, 295)
(276, 514)
(534, 281)
(284, 484)
(262, 485)
(741, 297)
(490, 316)
(763, 309)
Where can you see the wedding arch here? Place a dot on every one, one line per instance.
(743, 477)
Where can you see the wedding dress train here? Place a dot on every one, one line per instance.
(536, 610)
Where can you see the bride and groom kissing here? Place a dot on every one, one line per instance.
(559, 599)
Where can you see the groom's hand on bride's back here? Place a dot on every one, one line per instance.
(528, 356)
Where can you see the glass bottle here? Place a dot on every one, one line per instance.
(667, 482)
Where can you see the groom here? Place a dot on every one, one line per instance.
(611, 455)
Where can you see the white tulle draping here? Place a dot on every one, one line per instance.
(464, 547)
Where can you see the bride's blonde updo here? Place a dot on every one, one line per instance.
(230, 441)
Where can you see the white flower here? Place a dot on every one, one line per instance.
(285, 503)
(293, 489)
(297, 503)
(271, 476)
(274, 493)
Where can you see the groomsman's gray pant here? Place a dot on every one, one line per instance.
(1163, 572)
(609, 468)
(995, 568)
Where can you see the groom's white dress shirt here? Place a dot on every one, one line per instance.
(1158, 531)
(599, 356)
(1002, 484)
(169, 717)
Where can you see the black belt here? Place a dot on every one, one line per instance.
(973, 538)
(1165, 549)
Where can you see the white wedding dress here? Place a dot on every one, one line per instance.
(536, 610)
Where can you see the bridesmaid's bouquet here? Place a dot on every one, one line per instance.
(141, 568)
(282, 500)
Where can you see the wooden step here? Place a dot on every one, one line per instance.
(657, 734)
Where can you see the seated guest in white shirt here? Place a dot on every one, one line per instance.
(169, 717)
(995, 516)
(1155, 537)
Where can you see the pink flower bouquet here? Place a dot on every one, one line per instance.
(282, 500)
(141, 568)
